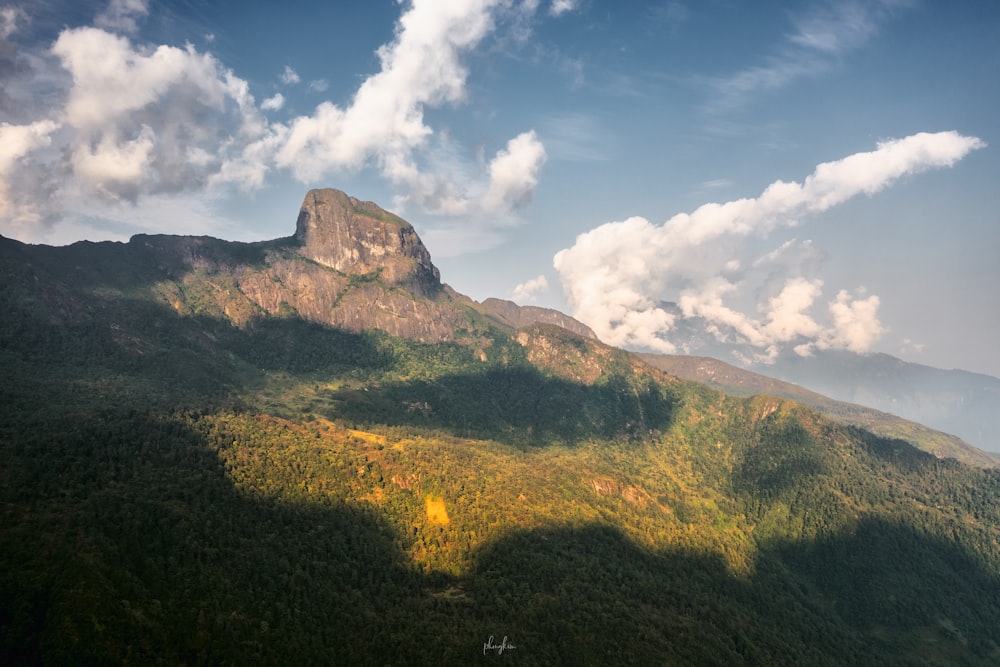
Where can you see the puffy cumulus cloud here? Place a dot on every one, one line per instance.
(632, 281)
(611, 277)
(16, 141)
(787, 316)
(385, 123)
(514, 173)
(855, 323)
(149, 121)
(528, 290)
(136, 121)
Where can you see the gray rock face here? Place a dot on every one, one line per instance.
(358, 238)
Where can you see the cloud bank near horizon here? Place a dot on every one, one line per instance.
(122, 121)
(619, 277)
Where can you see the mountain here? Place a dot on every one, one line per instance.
(310, 450)
(350, 265)
(741, 382)
(957, 402)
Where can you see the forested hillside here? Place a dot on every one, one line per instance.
(184, 484)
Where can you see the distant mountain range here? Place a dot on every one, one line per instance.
(741, 382)
(956, 402)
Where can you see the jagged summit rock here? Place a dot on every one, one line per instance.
(358, 238)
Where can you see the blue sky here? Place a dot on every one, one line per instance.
(791, 176)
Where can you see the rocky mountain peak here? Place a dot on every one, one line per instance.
(358, 237)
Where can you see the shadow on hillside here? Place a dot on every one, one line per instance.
(516, 405)
(124, 540)
(154, 355)
(144, 260)
(147, 346)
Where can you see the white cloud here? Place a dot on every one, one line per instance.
(787, 318)
(855, 324)
(528, 290)
(821, 35)
(273, 103)
(319, 85)
(384, 124)
(560, 7)
(289, 76)
(514, 173)
(16, 141)
(123, 15)
(145, 121)
(618, 276)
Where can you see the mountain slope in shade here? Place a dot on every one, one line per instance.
(741, 382)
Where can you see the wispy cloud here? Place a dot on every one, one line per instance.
(671, 14)
(9, 18)
(576, 137)
(618, 276)
(123, 15)
(289, 76)
(820, 37)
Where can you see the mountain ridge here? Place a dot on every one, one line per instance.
(350, 264)
(742, 382)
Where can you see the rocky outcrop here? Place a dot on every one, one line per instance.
(359, 238)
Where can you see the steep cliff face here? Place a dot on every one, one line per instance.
(358, 238)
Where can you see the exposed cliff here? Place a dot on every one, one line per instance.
(357, 238)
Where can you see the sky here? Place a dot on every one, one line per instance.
(786, 177)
